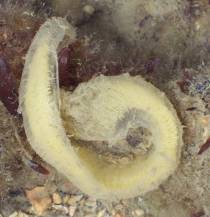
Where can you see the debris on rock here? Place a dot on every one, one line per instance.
(56, 198)
(72, 210)
(39, 198)
(88, 10)
(73, 199)
(90, 205)
(65, 199)
(118, 215)
(138, 213)
(14, 214)
(102, 213)
(17, 214)
(61, 208)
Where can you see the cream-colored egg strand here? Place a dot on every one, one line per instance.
(39, 104)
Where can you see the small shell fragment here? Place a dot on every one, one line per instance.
(39, 198)
(56, 198)
(74, 199)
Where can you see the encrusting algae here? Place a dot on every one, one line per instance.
(103, 109)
